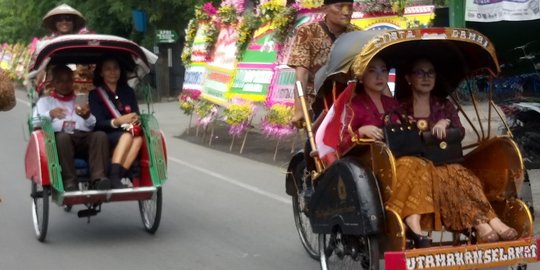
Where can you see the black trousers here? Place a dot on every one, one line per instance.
(92, 146)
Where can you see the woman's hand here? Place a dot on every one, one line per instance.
(439, 130)
(372, 132)
(126, 119)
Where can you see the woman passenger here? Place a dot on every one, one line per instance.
(115, 107)
(455, 191)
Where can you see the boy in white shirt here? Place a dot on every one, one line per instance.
(73, 125)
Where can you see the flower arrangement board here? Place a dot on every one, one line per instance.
(413, 17)
(262, 48)
(194, 77)
(252, 82)
(216, 84)
(282, 87)
(221, 70)
(199, 52)
(224, 54)
(255, 71)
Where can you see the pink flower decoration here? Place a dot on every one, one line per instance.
(209, 9)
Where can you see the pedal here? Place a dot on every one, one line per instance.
(87, 213)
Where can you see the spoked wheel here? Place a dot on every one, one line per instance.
(303, 226)
(40, 209)
(151, 211)
(348, 252)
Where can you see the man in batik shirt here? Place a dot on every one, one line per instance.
(310, 52)
(312, 46)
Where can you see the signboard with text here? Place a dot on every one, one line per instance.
(502, 10)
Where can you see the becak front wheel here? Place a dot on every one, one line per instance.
(40, 209)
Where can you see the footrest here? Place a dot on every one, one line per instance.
(102, 196)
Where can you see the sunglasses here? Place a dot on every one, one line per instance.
(420, 73)
(67, 18)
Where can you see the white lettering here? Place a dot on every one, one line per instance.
(463, 34)
(527, 252)
(450, 259)
(477, 256)
(487, 256)
(503, 255)
(511, 254)
(420, 261)
(411, 263)
(455, 33)
(430, 262)
(472, 36)
(519, 252)
(459, 258)
(440, 260)
(495, 255)
(533, 250)
(468, 258)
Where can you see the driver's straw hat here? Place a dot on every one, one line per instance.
(63, 9)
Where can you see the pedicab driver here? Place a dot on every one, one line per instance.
(73, 126)
(310, 52)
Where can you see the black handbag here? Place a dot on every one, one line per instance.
(403, 138)
(443, 151)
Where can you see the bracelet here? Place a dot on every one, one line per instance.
(112, 124)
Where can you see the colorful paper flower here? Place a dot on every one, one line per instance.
(237, 115)
(277, 122)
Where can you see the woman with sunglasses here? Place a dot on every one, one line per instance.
(115, 107)
(64, 20)
(454, 192)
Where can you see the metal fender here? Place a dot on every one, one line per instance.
(294, 174)
(35, 159)
(348, 196)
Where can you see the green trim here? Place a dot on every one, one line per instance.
(55, 171)
(156, 152)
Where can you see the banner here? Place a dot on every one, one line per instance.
(502, 10)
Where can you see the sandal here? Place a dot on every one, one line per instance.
(420, 241)
(489, 237)
(509, 234)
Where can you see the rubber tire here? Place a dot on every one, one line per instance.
(151, 220)
(326, 252)
(40, 228)
(304, 232)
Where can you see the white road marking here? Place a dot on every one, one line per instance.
(233, 181)
(218, 176)
(23, 102)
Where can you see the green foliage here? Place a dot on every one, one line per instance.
(247, 28)
(20, 22)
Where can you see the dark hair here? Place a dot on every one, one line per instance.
(56, 70)
(98, 80)
(403, 89)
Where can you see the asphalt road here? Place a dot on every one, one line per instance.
(221, 211)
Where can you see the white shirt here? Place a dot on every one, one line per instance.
(47, 103)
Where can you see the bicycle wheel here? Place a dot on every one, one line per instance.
(151, 211)
(303, 227)
(348, 252)
(40, 210)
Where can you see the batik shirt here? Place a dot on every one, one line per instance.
(311, 49)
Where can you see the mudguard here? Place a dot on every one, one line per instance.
(295, 171)
(347, 195)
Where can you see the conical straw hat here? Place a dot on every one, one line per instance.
(63, 9)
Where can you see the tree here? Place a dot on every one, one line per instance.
(19, 23)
